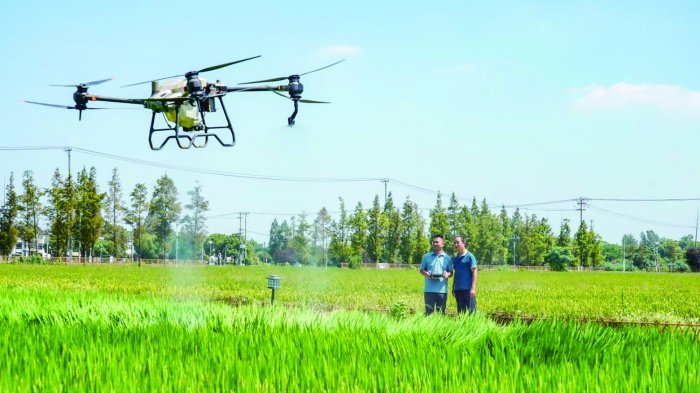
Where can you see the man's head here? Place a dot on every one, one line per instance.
(460, 244)
(438, 243)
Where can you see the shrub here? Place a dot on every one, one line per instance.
(692, 257)
(559, 259)
(355, 262)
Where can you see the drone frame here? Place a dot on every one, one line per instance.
(203, 133)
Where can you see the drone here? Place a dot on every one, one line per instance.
(184, 104)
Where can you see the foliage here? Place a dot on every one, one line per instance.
(115, 209)
(84, 341)
(439, 222)
(358, 237)
(136, 217)
(88, 218)
(29, 205)
(692, 257)
(8, 217)
(339, 249)
(355, 262)
(375, 232)
(194, 224)
(163, 212)
(559, 258)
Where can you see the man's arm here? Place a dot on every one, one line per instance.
(472, 290)
(423, 266)
(448, 271)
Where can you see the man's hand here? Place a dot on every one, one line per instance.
(446, 274)
(472, 292)
(427, 273)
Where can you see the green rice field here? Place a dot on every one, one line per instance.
(205, 328)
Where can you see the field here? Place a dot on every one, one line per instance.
(123, 328)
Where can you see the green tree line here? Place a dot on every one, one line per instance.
(77, 218)
(394, 234)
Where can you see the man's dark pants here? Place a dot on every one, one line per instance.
(435, 300)
(465, 302)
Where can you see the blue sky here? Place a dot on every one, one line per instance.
(510, 101)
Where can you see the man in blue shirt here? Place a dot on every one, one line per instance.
(436, 266)
(464, 285)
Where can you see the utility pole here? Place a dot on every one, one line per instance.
(240, 238)
(385, 181)
(70, 239)
(623, 253)
(582, 205)
(515, 239)
(245, 236)
(591, 225)
(697, 220)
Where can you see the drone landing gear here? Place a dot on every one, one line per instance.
(187, 139)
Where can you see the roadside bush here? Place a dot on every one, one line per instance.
(559, 259)
(355, 262)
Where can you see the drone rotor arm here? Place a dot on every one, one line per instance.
(256, 88)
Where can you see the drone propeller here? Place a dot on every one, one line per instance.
(76, 107)
(87, 84)
(195, 73)
(291, 76)
(67, 106)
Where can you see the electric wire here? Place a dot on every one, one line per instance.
(638, 219)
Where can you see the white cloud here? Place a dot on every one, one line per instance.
(665, 97)
(340, 49)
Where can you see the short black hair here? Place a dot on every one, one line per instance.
(436, 236)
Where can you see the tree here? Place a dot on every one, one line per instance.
(59, 214)
(136, 217)
(518, 231)
(300, 240)
(455, 227)
(692, 257)
(88, 219)
(115, 209)
(392, 230)
(686, 242)
(358, 230)
(8, 219)
(164, 210)
(506, 232)
(581, 249)
(339, 249)
(194, 224)
(322, 230)
(408, 242)
(375, 231)
(596, 257)
(282, 250)
(559, 258)
(439, 223)
(564, 239)
(489, 240)
(276, 238)
(29, 210)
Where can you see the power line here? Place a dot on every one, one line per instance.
(644, 200)
(644, 220)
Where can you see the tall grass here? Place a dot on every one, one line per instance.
(96, 341)
(627, 296)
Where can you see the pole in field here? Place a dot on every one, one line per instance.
(273, 282)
